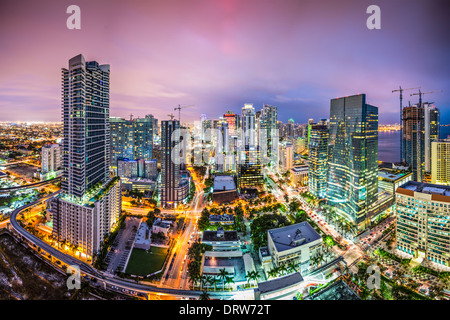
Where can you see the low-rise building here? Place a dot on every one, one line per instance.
(221, 240)
(142, 239)
(423, 221)
(162, 226)
(299, 176)
(224, 189)
(222, 219)
(296, 243)
(280, 288)
(389, 180)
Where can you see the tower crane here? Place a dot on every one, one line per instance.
(420, 94)
(401, 117)
(171, 116)
(179, 110)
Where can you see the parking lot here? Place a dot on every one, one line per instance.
(122, 245)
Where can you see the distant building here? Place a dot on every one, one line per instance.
(286, 156)
(51, 158)
(440, 162)
(423, 215)
(132, 138)
(296, 243)
(318, 160)
(431, 131)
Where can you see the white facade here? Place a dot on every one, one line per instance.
(50, 158)
(440, 162)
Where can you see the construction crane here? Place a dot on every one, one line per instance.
(401, 117)
(171, 116)
(179, 110)
(420, 94)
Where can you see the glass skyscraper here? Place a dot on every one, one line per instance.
(318, 160)
(131, 139)
(90, 203)
(414, 140)
(353, 158)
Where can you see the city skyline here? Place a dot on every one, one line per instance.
(220, 55)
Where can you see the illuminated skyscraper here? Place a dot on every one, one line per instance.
(318, 160)
(414, 140)
(90, 204)
(353, 158)
(431, 131)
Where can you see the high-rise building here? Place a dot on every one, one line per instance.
(223, 154)
(249, 165)
(413, 140)
(423, 218)
(248, 125)
(131, 139)
(174, 188)
(50, 158)
(268, 141)
(286, 156)
(352, 184)
(440, 161)
(318, 160)
(431, 131)
(90, 203)
(290, 130)
(230, 117)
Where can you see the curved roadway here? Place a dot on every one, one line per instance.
(32, 185)
(93, 273)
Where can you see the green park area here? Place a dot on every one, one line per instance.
(143, 263)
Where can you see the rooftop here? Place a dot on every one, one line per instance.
(280, 283)
(300, 169)
(390, 175)
(292, 236)
(224, 183)
(427, 188)
(221, 217)
(227, 236)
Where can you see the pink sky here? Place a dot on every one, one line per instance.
(218, 55)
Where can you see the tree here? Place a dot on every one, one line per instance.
(229, 280)
(272, 273)
(282, 269)
(262, 224)
(292, 267)
(204, 295)
(223, 274)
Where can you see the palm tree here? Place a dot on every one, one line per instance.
(252, 275)
(272, 273)
(282, 269)
(292, 267)
(204, 295)
(223, 274)
(214, 281)
(229, 280)
(208, 281)
(202, 280)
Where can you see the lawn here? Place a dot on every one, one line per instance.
(142, 263)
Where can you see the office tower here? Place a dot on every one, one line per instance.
(230, 117)
(318, 160)
(222, 152)
(352, 183)
(249, 165)
(248, 128)
(413, 140)
(290, 128)
(309, 126)
(90, 203)
(268, 141)
(206, 130)
(174, 188)
(431, 131)
(131, 139)
(50, 158)
(286, 156)
(155, 131)
(440, 161)
(423, 218)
